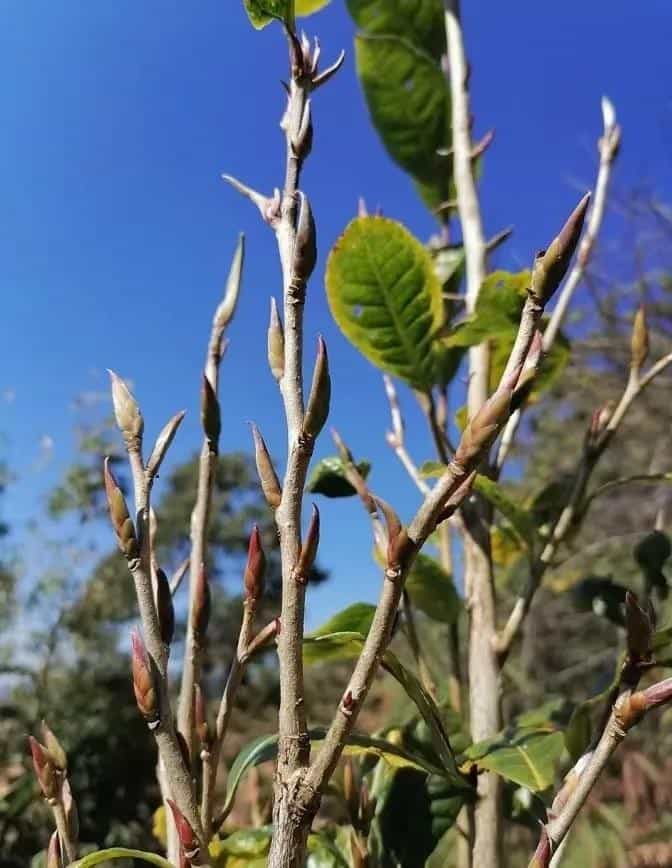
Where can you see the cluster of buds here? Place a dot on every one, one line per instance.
(121, 520)
(550, 265)
(189, 845)
(308, 548)
(317, 408)
(304, 60)
(276, 343)
(253, 578)
(270, 484)
(144, 682)
(126, 412)
(210, 415)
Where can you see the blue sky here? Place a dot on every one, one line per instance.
(118, 120)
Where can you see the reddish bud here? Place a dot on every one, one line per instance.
(202, 603)
(253, 579)
(164, 607)
(270, 484)
(185, 833)
(550, 266)
(143, 681)
(45, 769)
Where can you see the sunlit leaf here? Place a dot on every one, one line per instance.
(328, 477)
(262, 12)
(307, 7)
(112, 853)
(385, 296)
(419, 22)
(526, 756)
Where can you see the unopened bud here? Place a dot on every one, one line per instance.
(309, 547)
(305, 245)
(319, 399)
(528, 372)
(398, 543)
(126, 410)
(276, 343)
(270, 484)
(253, 579)
(639, 342)
(639, 627)
(303, 141)
(188, 839)
(210, 415)
(54, 748)
(200, 718)
(45, 769)
(550, 266)
(143, 681)
(227, 308)
(163, 442)
(54, 852)
(164, 607)
(202, 603)
(480, 431)
(121, 520)
(599, 422)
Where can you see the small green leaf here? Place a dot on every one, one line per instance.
(335, 646)
(248, 842)
(519, 519)
(432, 469)
(409, 102)
(101, 856)
(431, 590)
(579, 731)
(308, 7)
(526, 756)
(262, 12)
(355, 618)
(328, 477)
(498, 309)
(385, 297)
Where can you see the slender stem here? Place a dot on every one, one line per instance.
(68, 846)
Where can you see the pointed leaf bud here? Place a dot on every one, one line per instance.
(309, 547)
(319, 399)
(54, 852)
(305, 246)
(45, 769)
(276, 343)
(70, 810)
(163, 442)
(54, 747)
(126, 410)
(480, 431)
(188, 839)
(270, 484)
(253, 579)
(639, 342)
(200, 718)
(398, 542)
(639, 628)
(121, 520)
(227, 307)
(210, 415)
(550, 266)
(143, 681)
(164, 607)
(303, 142)
(202, 604)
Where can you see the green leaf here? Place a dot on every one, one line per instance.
(526, 756)
(579, 731)
(408, 99)
(498, 310)
(420, 22)
(432, 469)
(335, 646)
(108, 855)
(323, 852)
(355, 618)
(431, 590)
(262, 12)
(519, 519)
(308, 7)
(328, 477)
(247, 842)
(385, 297)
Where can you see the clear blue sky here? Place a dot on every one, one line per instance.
(118, 119)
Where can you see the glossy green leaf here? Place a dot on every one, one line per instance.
(262, 12)
(112, 853)
(328, 477)
(526, 756)
(419, 22)
(431, 590)
(355, 618)
(385, 296)
(408, 99)
(518, 517)
(335, 646)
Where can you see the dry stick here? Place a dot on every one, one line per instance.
(628, 710)
(177, 776)
(482, 662)
(200, 517)
(608, 146)
(588, 461)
